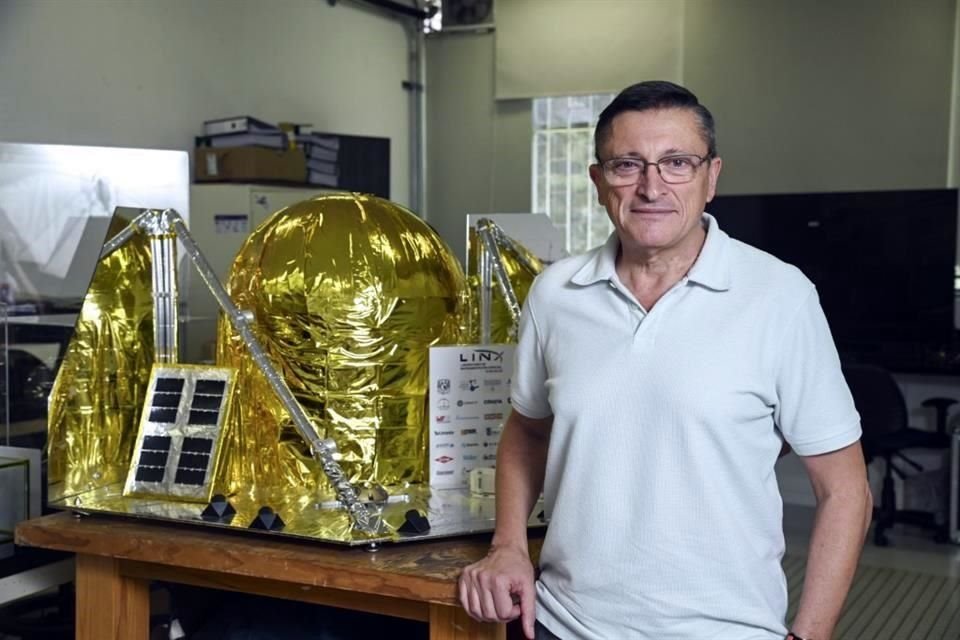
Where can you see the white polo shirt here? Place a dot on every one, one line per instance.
(665, 514)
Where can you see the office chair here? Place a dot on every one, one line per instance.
(886, 434)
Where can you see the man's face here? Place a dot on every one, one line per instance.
(652, 216)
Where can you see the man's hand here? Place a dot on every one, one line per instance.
(500, 588)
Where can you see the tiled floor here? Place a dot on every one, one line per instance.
(909, 590)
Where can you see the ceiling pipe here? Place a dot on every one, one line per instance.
(400, 8)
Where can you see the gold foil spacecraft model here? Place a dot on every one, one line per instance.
(332, 307)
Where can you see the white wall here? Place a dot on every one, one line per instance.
(147, 73)
(812, 97)
(478, 149)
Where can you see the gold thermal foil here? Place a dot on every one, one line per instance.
(96, 399)
(348, 292)
(520, 278)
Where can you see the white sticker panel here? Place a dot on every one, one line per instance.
(469, 402)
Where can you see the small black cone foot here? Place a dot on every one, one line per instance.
(415, 522)
(219, 510)
(267, 520)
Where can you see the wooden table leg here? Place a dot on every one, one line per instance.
(110, 606)
(452, 623)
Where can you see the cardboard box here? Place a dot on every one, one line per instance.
(235, 164)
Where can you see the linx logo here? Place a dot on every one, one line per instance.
(482, 355)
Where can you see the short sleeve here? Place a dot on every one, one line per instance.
(528, 391)
(815, 410)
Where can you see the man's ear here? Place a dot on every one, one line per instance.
(713, 176)
(596, 176)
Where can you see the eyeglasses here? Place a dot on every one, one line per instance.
(676, 169)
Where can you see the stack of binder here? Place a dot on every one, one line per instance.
(352, 163)
(322, 151)
(242, 131)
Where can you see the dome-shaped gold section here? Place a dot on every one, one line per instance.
(348, 293)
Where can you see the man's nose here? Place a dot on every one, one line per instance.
(650, 183)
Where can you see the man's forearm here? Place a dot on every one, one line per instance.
(839, 528)
(521, 459)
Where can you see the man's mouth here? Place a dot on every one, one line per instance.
(650, 210)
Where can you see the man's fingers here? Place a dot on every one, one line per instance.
(464, 598)
(488, 598)
(503, 599)
(528, 610)
(475, 605)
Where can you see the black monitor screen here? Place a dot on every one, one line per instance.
(883, 263)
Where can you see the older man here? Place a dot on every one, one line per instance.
(657, 378)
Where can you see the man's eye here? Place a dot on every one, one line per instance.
(679, 162)
(625, 165)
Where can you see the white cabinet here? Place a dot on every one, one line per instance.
(221, 218)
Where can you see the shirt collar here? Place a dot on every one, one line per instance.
(602, 264)
(711, 269)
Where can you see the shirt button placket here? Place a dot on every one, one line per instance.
(640, 317)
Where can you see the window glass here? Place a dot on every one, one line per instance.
(562, 154)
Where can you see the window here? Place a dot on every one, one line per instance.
(562, 152)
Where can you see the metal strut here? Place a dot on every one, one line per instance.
(492, 239)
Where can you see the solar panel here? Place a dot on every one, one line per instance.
(169, 385)
(203, 417)
(166, 399)
(181, 425)
(211, 387)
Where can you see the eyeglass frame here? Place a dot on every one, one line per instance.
(646, 163)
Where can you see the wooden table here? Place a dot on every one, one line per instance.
(117, 558)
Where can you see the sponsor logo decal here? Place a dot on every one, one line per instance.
(469, 385)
